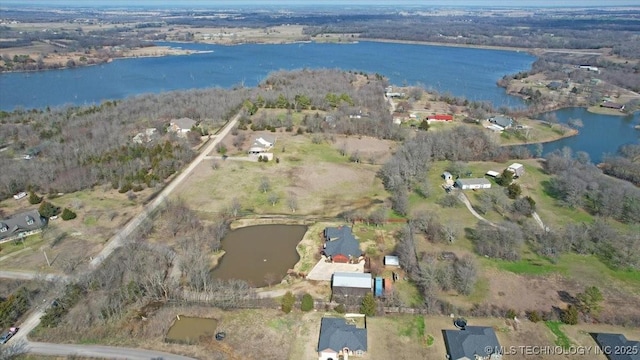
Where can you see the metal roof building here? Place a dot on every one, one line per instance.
(352, 280)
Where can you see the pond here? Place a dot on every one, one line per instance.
(189, 330)
(260, 254)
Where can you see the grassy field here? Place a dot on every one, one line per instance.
(100, 213)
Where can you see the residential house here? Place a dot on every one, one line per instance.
(473, 184)
(590, 68)
(617, 347)
(340, 245)
(612, 105)
(21, 224)
(261, 147)
(555, 85)
(339, 340)
(472, 343)
(391, 260)
(517, 169)
(349, 287)
(502, 121)
(181, 126)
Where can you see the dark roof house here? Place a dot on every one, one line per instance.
(502, 121)
(474, 342)
(612, 105)
(21, 224)
(340, 241)
(337, 338)
(617, 347)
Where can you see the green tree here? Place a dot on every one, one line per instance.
(34, 198)
(514, 190)
(48, 210)
(368, 306)
(505, 178)
(424, 125)
(288, 300)
(590, 300)
(307, 303)
(68, 214)
(570, 315)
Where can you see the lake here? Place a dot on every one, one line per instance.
(465, 72)
(461, 71)
(600, 135)
(272, 253)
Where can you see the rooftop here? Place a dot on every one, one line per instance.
(183, 123)
(352, 280)
(17, 223)
(340, 240)
(473, 181)
(610, 343)
(474, 340)
(336, 334)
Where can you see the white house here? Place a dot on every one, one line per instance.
(473, 184)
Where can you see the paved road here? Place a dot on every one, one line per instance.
(115, 242)
(19, 275)
(99, 351)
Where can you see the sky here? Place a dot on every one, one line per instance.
(342, 3)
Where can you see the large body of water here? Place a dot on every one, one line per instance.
(462, 71)
(467, 72)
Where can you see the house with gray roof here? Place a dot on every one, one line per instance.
(21, 224)
(350, 287)
(617, 346)
(502, 121)
(182, 126)
(339, 339)
(472, 343)
(340, 244)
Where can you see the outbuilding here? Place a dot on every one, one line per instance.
(391, 260)
(517, 169)
(473, 184)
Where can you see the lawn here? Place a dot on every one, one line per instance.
(561, 337)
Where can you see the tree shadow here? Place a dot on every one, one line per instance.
(566, 297)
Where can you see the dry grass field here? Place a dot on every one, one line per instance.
(323, 182)
(100, 212)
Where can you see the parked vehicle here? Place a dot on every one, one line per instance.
(8, 335)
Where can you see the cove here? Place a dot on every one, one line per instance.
(260, 254)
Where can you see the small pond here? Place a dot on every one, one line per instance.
(188, 330)
(259, 254)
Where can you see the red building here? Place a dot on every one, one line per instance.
(440, 117)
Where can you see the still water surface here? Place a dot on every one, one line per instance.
(259, 254)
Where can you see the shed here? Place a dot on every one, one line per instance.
(517, 169)
(378, 287)
(473, 184)
(388, 286)
(492, 173)
(391, 260)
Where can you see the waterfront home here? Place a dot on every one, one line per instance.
(340, 245)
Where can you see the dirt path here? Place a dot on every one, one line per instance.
(463, 197)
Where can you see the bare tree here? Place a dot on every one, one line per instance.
(265, 184)
(273, 198)
(292, 201)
